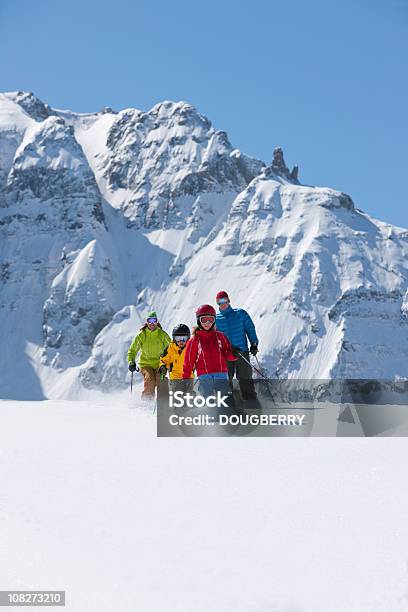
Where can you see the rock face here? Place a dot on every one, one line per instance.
(164, 159)
(106, 215)
(279, 167)
(35, 108)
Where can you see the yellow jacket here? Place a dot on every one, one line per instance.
(173, 359)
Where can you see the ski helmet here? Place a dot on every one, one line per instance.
(221, 294)
(206, 309)
(181, 330)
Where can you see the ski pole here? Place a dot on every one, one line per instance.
(259, 365)
(258, 372)
(162, 377)
(252, 366)
(288, 400)
(131, 378)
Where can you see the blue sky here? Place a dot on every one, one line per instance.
(324, 79)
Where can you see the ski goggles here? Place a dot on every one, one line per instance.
(223, 301)
(152, 320)
(180, 338)
(207, 319)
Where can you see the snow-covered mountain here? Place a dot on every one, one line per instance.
(106, 215)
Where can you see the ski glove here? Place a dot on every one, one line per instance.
(162, 371)
(235, 351)
(132, 366)
(254, 349)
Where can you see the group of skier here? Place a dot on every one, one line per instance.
(216, 350)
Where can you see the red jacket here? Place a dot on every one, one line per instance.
(207, 352)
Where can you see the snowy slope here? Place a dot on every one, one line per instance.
(93, 503)
(106, 215)
(328, 281)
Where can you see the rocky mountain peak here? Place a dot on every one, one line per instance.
(33, 106)
(279, 167)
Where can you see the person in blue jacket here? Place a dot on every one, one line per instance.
(238, 326)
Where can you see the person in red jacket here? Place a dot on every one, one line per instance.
(207, 352)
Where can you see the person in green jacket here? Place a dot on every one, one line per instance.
(150, 342)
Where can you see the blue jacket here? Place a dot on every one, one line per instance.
(237, 325)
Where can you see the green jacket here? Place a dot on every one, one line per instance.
(151, 344)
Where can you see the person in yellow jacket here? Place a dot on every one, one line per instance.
(150, 342)
(172, 358)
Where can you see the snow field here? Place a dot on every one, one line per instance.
(93, 503)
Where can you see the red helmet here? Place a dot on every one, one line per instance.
(206, 309)
(222, 294)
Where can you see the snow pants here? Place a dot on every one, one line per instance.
(151, 380)
(209, 384)
(243, 371)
